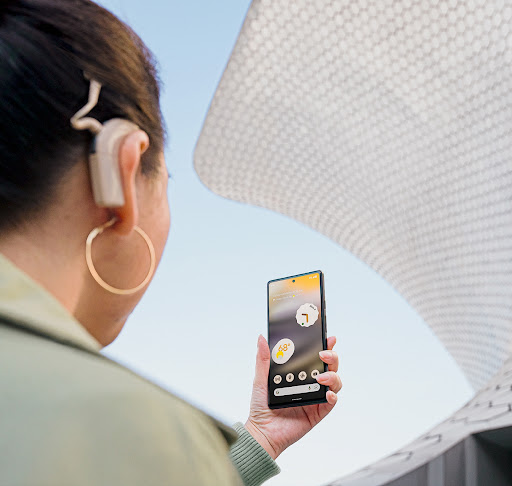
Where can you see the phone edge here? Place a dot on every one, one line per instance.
(324, 339)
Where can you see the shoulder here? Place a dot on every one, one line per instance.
(92, 415)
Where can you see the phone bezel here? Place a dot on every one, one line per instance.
(324, 341)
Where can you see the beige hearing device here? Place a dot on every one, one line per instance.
(104, 156)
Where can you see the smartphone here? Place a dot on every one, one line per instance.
(296, 334)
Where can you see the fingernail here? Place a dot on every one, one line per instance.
(323, 377)
(325, 354)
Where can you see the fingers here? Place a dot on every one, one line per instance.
(262, 363)
(331, 341)
(330, 358)
(332, 398)
(330, 379)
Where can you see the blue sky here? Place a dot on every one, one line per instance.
(195, 331)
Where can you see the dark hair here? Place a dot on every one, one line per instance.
(46, 46)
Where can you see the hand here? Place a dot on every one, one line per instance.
(275, 430)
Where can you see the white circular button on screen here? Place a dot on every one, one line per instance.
(303, 375)
(277, 379)
(283, 351)
(289, 377)
(314, 373)
(307, 315)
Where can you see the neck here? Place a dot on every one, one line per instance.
(45, 254)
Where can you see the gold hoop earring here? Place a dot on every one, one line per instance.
(88, 257)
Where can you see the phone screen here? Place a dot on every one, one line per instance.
(296, 332)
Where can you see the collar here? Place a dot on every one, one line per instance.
(27, 305)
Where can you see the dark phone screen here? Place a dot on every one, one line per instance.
(296, 336)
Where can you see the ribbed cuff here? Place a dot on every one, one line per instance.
(253, 463)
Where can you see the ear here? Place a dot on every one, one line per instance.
(130, 152)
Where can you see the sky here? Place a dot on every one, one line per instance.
(195, 331)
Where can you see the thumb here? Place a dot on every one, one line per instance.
(262, 363)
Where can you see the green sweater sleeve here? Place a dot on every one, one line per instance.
(252, 462)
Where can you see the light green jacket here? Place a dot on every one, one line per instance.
(70, 416)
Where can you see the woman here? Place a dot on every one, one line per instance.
(68, 415)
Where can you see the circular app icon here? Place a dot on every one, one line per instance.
(314, 373)
(303, 375)
(289, 377)
(283, 351)
(307, 315)
(277, 379)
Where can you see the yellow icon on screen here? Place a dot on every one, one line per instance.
(283, 351)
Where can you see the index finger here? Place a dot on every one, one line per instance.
(331, 360)
(331, 341)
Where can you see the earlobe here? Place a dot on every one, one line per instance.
(131, 150)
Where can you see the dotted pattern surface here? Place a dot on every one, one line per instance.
(387, 126)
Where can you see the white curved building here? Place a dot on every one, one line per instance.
(399, 113)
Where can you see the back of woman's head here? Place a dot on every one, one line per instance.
(46, 46)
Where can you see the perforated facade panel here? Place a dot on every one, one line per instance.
(398, 113)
